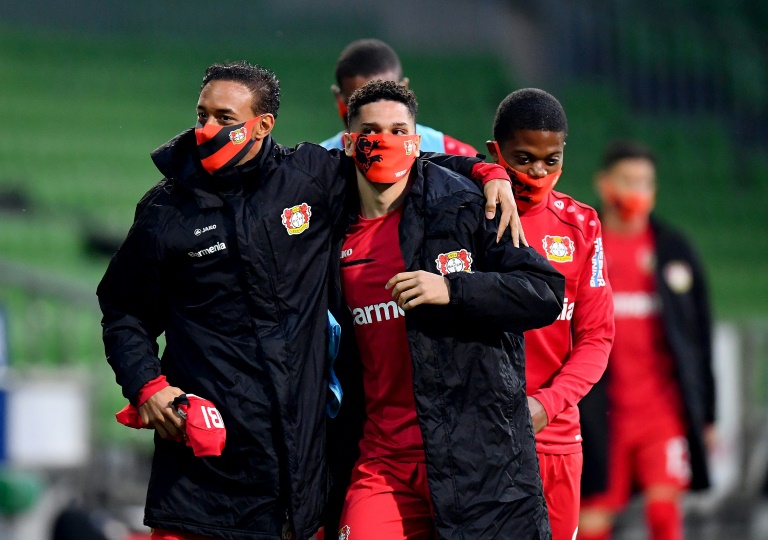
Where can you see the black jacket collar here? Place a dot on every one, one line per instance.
(178, 161)
(429, 209)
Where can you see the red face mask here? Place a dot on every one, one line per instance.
(384, 158)
(631, 205)
(529, 191)
(342, 105)
(221, 147)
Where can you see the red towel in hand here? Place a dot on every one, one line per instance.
(204, 428)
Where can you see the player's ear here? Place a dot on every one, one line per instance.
(404, 81)
(601, 181)
(417, 144)
(493, 150)
(264, 126)
(349, 144)
(336, 91)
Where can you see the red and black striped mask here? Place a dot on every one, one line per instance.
(221, 147)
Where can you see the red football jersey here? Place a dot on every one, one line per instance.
(370, 257)
(564, 360)
(642, 369)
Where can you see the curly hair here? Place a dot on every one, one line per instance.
(528, 109)
(378, 90)
(262, 83)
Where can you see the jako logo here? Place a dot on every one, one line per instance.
(377, 313)
(567, 313)
(219, 246)
(198, 232)
(346, 253)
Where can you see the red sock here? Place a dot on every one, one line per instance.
(664, 520)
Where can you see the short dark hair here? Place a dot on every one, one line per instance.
(262, 83)
(528, 109)
(365, 58)
(626, 149)
(378, 90)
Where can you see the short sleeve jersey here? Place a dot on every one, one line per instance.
(370, 257)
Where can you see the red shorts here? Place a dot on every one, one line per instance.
(643, 453)
(388, 500)
(561, 476)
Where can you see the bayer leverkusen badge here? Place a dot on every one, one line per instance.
(558, 248)
(238, 136)
(454, 261)
(296, 218)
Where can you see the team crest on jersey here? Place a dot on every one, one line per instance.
(238, 136)
(679, 276)
(558, 248)
(296, 218)
(454, 261)
(344, 532)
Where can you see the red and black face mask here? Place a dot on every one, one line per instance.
(384, 158)
(529, 190)
(221, 147)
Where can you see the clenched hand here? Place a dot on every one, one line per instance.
(411, 289)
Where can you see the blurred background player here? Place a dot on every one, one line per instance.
(565, 359)
(369, 59)
(660, 389)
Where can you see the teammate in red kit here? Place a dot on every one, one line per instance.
(565, 359)
(660, 390)
(369, 59)
(446, 446)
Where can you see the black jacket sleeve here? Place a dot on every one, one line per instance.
(704, 334)
(516, 289)
(460, 164)
(132, 300)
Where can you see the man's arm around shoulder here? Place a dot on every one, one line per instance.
(513, 288)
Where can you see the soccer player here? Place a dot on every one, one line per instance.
(565, 359)
(230, 256)
(369, 59)
(660, 389)
(446, 446)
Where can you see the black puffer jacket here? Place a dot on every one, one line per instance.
(242, 301)
(468, 368)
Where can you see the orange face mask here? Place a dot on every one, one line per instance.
(221, 147)
(529, 191)
(342, 105)
(384, 158)
(629, 205)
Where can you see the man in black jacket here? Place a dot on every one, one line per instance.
(659, 389)
(437, 307)
(230, 255)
